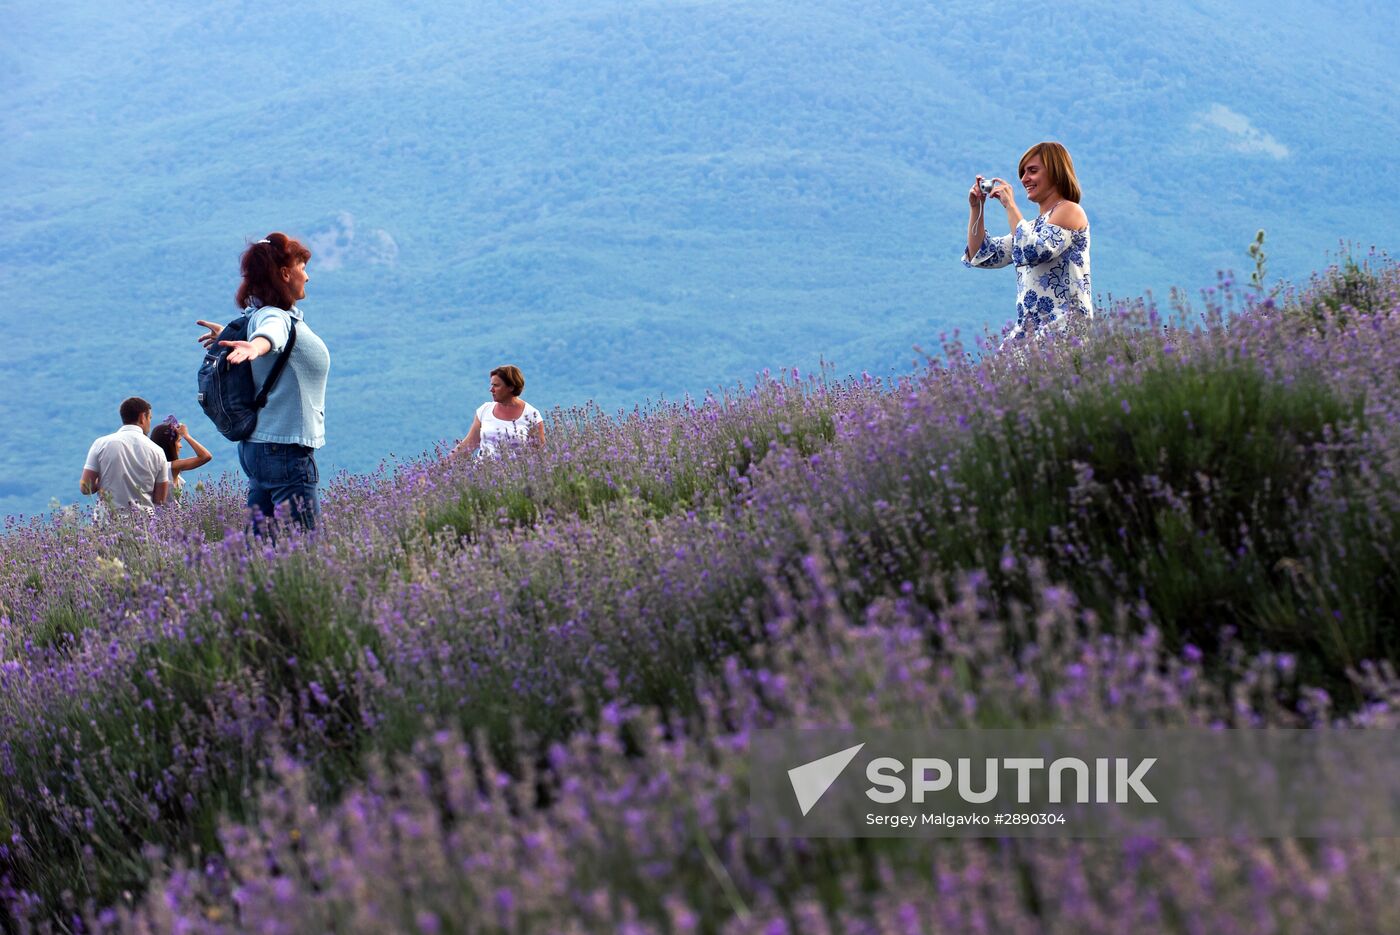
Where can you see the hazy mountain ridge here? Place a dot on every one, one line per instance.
(625, 200)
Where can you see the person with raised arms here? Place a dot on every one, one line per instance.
(279, 457)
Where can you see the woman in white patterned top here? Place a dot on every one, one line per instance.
(506, 420)
(1051, 252)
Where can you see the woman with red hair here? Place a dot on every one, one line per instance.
(279, 457)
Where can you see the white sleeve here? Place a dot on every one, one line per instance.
(994, 253)
(91, 463)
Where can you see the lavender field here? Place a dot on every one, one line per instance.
(517, 695)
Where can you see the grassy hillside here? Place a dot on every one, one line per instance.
(516, 695)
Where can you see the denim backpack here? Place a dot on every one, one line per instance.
(226, 391)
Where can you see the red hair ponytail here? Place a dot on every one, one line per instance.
(262, 266)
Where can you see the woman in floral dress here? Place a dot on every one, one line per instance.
(1051, 251)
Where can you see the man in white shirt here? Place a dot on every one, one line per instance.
(126, 467)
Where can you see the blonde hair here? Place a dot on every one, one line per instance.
(1059, 168)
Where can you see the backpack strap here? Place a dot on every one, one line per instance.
(277, 367)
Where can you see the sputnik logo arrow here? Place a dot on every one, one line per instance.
(811, 780)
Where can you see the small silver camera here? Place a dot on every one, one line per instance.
(986, 186)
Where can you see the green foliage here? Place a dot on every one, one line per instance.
(1174, 476)
(701, 469)
(1344, 290)
(1256, 250)
(1187, 486)
(265, 637)
(61, 625)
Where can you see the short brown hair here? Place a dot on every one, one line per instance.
(262, 266)
(1059, 168)
(512, 377)
(133, 409)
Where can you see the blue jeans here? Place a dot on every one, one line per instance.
(279, 473)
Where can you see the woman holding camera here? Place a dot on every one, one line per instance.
(1051, 251)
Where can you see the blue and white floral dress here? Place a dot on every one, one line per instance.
(1052, 272)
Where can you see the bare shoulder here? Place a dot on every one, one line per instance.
(1070, 216)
